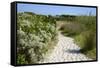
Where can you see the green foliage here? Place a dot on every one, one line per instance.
(87, 38)
(21, 59)
(34, 32)
(91, 53)
(88, 21)
(87, 42)
(83, 30)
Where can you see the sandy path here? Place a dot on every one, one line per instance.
(65, 51)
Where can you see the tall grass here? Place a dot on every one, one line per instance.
(83, 30)
(87, 38)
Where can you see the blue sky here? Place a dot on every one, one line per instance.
(55, 10)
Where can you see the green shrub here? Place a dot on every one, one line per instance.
(34, 33)
(87, 41)
(21, 59)
(91, 53)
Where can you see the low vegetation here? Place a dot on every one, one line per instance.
(83, 30)
(36, 35)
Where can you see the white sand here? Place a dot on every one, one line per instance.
(65, 51)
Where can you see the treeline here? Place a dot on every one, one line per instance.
(65, 17)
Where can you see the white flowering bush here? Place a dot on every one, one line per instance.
(36, 35)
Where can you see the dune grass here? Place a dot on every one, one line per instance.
(87, 42)
(83, 30)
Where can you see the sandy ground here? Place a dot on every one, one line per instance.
(65, 51)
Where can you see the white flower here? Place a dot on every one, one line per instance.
(21, 41)
(21, 33)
